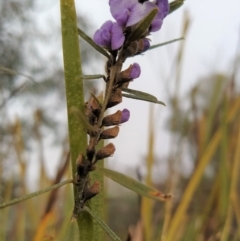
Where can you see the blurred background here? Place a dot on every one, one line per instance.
(190, 148)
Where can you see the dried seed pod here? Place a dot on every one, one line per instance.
(115, 98)
(92, 191)
(105, 152)
(110, 133)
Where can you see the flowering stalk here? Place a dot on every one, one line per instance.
(122, 40)
(125, 38)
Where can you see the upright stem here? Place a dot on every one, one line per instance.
(75, 98)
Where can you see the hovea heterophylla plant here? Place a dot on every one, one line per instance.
(117, 40)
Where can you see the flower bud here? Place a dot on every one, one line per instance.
(110, 133)
(143, 45)
(113, 119)
(117, 118)
(115, 98)
(125, 115)
(132, 72)
(135, 71)
(92, 191)
(105, 152)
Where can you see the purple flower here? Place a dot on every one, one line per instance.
(135, 71)
(129, 12)
(163, 9)
(125, 115)
(110, 36)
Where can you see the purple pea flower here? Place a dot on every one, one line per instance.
(125, 115)
(129, 12)
(163, 6)
(110, 36)
(163, 9)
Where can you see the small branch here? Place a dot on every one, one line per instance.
(34, 194)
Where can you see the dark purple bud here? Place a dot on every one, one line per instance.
(110, 36)
(125, 115)
(146, 44)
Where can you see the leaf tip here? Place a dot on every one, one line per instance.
(160, 195)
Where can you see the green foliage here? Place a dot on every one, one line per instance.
(134, 185)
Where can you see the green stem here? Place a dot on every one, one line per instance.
(75, 98)
(103, 225)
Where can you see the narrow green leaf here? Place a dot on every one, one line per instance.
(140, 95)
(103, 225)
(142, 26)
(34, 194)
(92, 43)
(134, 185)
(95, 76)
(175, 5)
(165, 43)
(143, 99)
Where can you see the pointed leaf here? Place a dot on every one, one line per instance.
(92, 43)
(143, 99)
(34, 194)
(134, 185)
(142, 26)
(175, 5)
(165, 43)
(140, 95)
